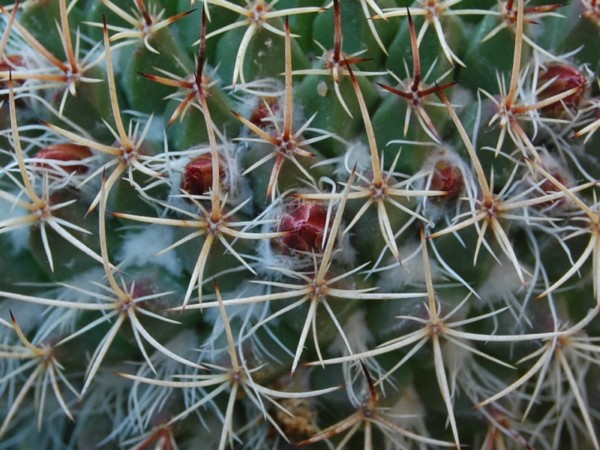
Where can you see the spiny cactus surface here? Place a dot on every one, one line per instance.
(252, 224)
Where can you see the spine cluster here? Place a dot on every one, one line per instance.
(282, 224)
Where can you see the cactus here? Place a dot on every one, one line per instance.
(349, 224)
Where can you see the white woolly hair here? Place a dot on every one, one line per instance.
(147, 402)
(41, 320)
(357, 333)
(18, 238)
(410, 410)
(215, 345)
(357, 155)
(397, 278)
(142, 244)
(503, 288)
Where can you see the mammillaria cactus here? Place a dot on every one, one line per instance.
(349, 224)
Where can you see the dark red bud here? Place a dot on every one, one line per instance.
(550, 188)
(142, 288)
(147, 287)
(197, 175)
(67, 152)
(447, 177)
(262, 112)
(305, 222)
(562, 77)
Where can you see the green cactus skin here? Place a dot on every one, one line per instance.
(254, 224)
